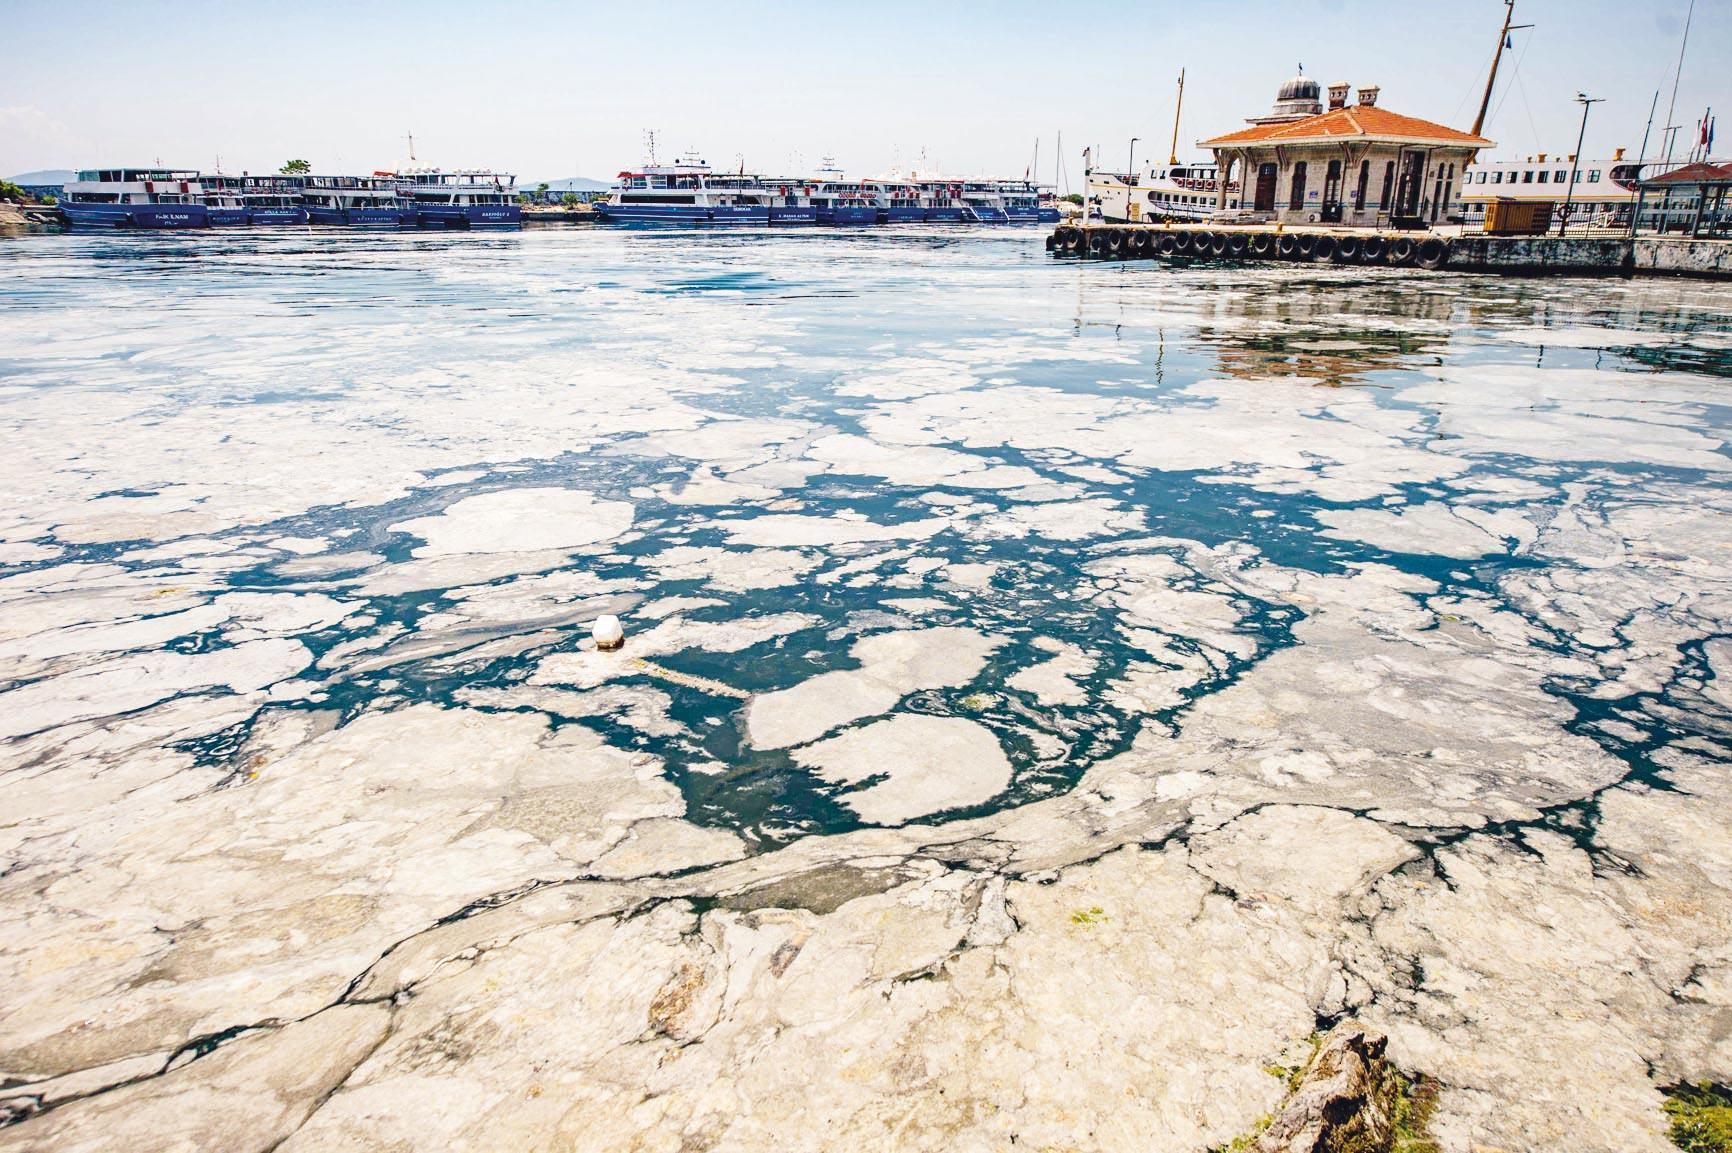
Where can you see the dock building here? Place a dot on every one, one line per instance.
(1356, 164)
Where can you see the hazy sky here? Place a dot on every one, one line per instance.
(559, 89)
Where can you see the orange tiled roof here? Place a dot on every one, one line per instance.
(1360, 120)
(1695, 173)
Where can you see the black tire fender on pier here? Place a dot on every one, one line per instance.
(1374, 249)
(1307, 246)
(1262, 244)
(1236, 245)
(1218, 244)
(1203, 243)
(1181, 242)
(1401, 250)
(1097, 240)
(1433, 253)
(1286, 247)
(1324, 249)
(1165, 244)
(1068, 238)
(1116, 241)
(1140, 242)
(1347, 250)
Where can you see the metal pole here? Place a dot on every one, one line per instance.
(1130, 177)
(1586, 102)
(1678, 75)
(1173, 151)
(1502, 39)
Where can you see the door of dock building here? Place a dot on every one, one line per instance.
(1265, 201)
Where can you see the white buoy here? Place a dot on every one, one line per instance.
(607, 633)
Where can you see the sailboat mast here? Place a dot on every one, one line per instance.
(1173, 152)
(1497, 57)
(1672, 105)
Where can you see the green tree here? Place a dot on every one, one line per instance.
(568, 199)
(542, 187)
(296, 168)
(10, 191)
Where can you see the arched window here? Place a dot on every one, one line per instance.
(1296, 199)
(1364, 184)
(1388, 186)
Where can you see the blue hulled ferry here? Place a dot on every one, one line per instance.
(135, 198)
(687, 192)
(355, 201)
(464, 199)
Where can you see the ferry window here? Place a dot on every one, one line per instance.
(1542, 177)
(1560, 176)
(1497, 178)
(1528, 177)
(1593, 176)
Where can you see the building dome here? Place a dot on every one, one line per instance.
(1299, 97)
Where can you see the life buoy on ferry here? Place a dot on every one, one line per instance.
(1323, 249)
(1401, 250)
(1346, 250)
(1286, 247)
(1374, 248)
(1433, 253)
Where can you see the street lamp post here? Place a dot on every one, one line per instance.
(1586, 102)
(1130, 177)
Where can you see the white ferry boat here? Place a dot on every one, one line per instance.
(1603, 193)
(462, 199)
(356, 201)
(135, 198)
(1158, 192)
(688, 192)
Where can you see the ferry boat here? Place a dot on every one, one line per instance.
(1603, 193)
(789, 200)
(687, 192)
(273, 200)
(135, 198)
(222, 200)
(843, 201)
(462, 199)
(1158, 192)
(1021, 201)
(899, 202)
(355, 201)
(983, 203)
(941, 202)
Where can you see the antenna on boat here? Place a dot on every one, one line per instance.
(649, 143)
(411, 138)
(1503, 41)
(1173, 152)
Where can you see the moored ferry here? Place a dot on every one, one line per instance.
(222, 200)
(355, 201)
(135, 198)
(983, 203)
(1158, 192)
(273, 200)
(1603, 192)
(685, 192)
(790, 200)
(941, 202)
(899, 202)
(462, 199)
(846, 202)
(1021, 201)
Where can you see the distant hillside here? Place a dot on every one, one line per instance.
(45, 176)
(569, 184)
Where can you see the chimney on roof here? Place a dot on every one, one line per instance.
(1338, 95)
(1618, 155)
(1368, 95)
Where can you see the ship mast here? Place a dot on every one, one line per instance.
(1173, 152)
(1502, 40)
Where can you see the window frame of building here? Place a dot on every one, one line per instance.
(1387, 196)
(1296, 186)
